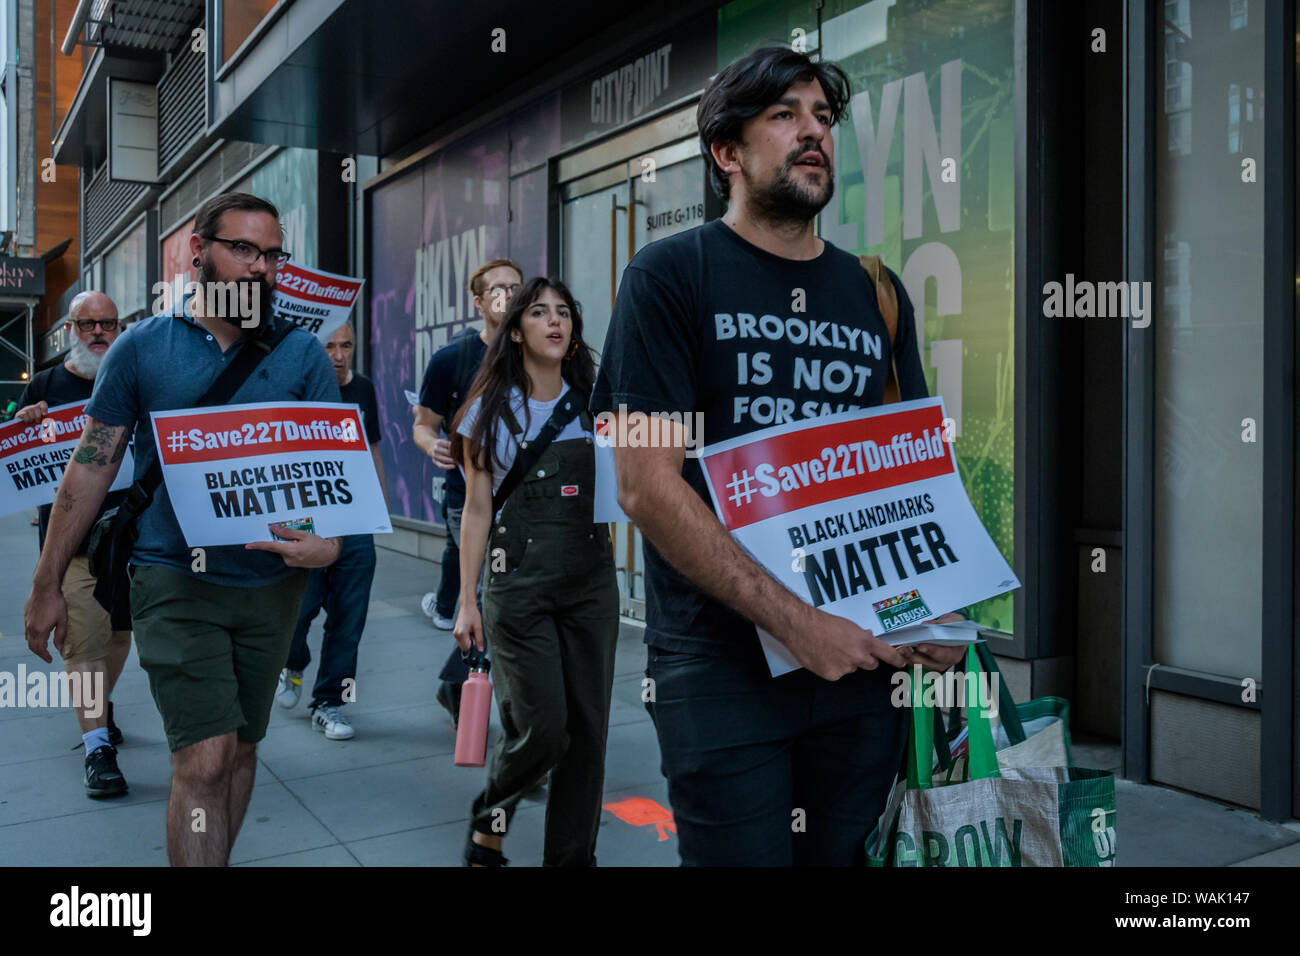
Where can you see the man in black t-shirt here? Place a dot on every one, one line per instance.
(342, 588)
(91, 647)
(755, 322)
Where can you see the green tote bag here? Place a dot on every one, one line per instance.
(1017, 814)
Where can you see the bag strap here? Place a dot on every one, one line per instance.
(926, 739)
(1008, 713)
(982, 759)
(887, 299)
(529, 451)
(221, 391)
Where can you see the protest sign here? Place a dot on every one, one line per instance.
(233, 471)
(313, 299)
(862, 514)
(33, 458)
(605, 490)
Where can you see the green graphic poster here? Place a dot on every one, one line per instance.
(925, 177)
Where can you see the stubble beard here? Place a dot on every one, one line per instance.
(783, 202)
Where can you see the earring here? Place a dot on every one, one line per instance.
(196, 261)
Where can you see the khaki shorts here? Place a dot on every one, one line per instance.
(90, 634)
(213, 653)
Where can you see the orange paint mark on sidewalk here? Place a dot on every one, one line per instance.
(642, 811)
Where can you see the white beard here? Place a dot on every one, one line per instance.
(83, 359)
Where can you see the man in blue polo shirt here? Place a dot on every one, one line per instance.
(211, 641)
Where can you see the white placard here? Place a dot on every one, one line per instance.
(233, 471)
(313, 299)
(33, 457)
(862, 514)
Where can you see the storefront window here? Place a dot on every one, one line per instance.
(177, 262)
(288, 181)
(933, 84)
(1209, 333)
(125, 276)
(430, 228)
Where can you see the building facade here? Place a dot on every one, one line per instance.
(1088, 203)
(39, 224)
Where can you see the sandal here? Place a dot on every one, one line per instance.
(477, 853)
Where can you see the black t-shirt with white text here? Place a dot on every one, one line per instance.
(705, 321)
(57, 386)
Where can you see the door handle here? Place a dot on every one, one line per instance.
(631, 225)
(614, 207)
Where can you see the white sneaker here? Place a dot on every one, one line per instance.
(290, 689)
(427, 603)
(332, 721)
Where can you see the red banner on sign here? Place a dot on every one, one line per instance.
(815, 465)
(240, 433)
(313, 286)
(59, 425)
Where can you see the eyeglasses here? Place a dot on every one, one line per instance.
(247, 253)
(507, 289)
(108, 325)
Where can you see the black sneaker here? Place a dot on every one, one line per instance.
(449, 696)
(103, 779)
(114, 731)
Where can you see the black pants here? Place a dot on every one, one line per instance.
(765, 771)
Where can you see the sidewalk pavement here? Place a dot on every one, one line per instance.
(392, 797)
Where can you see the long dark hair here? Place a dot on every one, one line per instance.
(502, 371)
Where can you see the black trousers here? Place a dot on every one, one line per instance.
(765, 771)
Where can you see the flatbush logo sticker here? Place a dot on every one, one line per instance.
(901, 610)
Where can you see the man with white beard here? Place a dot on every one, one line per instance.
(92, 648)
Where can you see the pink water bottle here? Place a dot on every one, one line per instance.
(475, 708)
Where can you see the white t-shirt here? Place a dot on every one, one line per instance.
(538, 414)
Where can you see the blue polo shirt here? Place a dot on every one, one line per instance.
(167, 362)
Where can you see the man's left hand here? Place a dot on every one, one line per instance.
(303, 549)
(936, 657)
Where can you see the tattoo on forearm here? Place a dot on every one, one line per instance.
(66, 500)
(96, 444)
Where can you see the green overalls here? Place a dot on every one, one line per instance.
(550, 618)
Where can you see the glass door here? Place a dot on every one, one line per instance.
(606, 216)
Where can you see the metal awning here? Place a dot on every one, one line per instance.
(158, 25)
(131, 38)
(82, 138)
(352, 76)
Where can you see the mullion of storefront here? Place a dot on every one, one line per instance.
(1279, 753)
(1195, 700)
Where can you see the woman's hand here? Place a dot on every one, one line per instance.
(469, 627)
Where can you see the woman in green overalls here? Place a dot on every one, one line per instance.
(550, 601)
